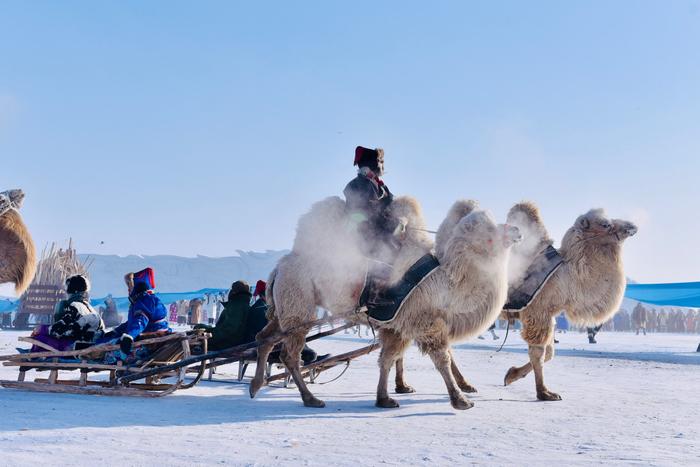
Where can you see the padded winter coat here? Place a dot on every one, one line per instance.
(230, 330)
(146, 314)
(75, 319)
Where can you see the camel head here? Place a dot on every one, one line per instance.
(623, 229)
(595, 228)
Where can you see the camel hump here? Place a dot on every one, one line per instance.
(17, 252)
(526, 216)
(459, 209)
(316, 226)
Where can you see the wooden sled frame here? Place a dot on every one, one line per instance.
(312, 370)
(171, 358)
(164, 351)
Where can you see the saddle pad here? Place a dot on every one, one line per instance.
(398, 293)
(537, 274)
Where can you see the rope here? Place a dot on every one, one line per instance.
(422, 230)
(505, 338)
(347, 365)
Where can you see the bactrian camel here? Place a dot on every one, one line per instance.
(17, 251)
(327, 268)
(588, 286)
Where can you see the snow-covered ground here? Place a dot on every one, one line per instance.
(627, 400)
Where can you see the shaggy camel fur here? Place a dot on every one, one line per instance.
(326, 268)
(460, 299)
(17, 251)
(588, 286)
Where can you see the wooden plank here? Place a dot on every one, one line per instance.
(38, 343)
(70, 366)
(94, 349)
(87, 390)
(330, 361)
(147, 387)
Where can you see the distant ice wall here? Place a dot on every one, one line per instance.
(177, 273)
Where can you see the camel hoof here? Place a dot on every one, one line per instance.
(254, 387)
(387, 403)
(314, 402)
(404, 389)
(511, 376)
(466, 387)
(461, 403)
(548, 396)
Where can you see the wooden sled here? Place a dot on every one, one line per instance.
(163, 351)
(311, 370)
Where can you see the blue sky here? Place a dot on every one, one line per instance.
(206, 127)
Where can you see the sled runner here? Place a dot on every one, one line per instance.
(155, 352)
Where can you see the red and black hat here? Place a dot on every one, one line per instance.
(260, 287)
(365, 157)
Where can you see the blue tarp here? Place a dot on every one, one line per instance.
(686, 294)
(122, 303)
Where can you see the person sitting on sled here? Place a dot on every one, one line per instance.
(230, 328)
(368, 203)
(74, 321)
(146, 312)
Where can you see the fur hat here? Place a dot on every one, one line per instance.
(239, 287)
(141, 281)
(365, 157)
(260, 288)
(77, 283)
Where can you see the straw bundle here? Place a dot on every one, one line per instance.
(57, 264)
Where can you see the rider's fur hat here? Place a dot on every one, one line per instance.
(365, 157)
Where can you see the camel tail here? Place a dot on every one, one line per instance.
(270, 296)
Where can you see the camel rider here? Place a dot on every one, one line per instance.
(368, 200)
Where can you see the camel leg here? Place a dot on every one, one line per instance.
(461, 380)
(393, 347)
(535, 333)
(401, 386)
(515, 373)
(264, 350)
(442, 361)
(291, 357)
(537, 355)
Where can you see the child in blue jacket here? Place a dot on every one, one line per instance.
(146, 312)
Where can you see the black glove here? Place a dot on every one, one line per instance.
(125, 344)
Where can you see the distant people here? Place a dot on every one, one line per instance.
(195, 313)
(146, 312)
(492, 330)
(110, 316)
(172, 313)
(75, 320)
(639, 318)
(592, 332)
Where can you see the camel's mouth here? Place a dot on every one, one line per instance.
(624, 229)
(511, 235)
